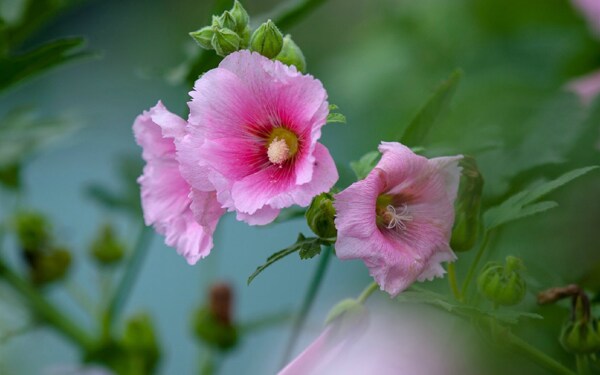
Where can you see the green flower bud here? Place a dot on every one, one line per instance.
(140, 344)
(581, 335)
(106, 248)
(213, 323)
(240, 16)
(33, 231)
(267, 40)
(503, 285)
(225, 41)
(320, 216)
(291, 54)
(227, 21)
(467, 222)
(50, 267)
(245, 38)
(10, 176)
(203, 37)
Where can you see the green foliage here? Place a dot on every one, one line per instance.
(107, 248)
(526, 203)
(23, 132)
(16, 69)
(467, 222)
(423, 296)
(365, 164)
(308, 248)
(213, 332)
(127, 197)
(417, 130)
(344, 307)
(335, 116)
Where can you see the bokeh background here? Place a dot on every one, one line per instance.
(380, 61)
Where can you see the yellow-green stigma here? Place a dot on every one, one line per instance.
(282, 145)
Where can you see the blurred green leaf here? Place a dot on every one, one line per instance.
(22, 133)
(310, 249)
(302, 243)
(16, 69)
(416, 132)
(126, 197)
(523, 204)
(365, 164)
(334, 116)
(424, 296)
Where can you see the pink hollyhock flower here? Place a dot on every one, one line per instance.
(253, 130)
(383, 343)
(399, 219)
(186, 217)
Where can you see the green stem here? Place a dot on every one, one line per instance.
(130, 274)
(47, 312)
(536, 355)
(475, 263)
(583, 364)
(453, 282)
(366, 293)
(307, 303)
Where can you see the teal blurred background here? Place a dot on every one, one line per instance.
(380, 61)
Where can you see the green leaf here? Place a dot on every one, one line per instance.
(16, 69)
(302, 244)
(523, 203)
(335, 116)
(365, 164)
(310, 249)
(420, 295)
(23, 132)
(416, 132)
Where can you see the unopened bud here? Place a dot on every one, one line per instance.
(267, 40)
(213, 323)
(320, 216)
(225, 41)
(139, 341)
(107, 249)
(467, 222)
(580, 335)
(50, 267)
(503, 284)
(203, 37)
(292, 55)
(33, 231)
(240, 16)
(227, 21)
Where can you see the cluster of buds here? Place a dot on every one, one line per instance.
(580, 334)
(231, 32)
(45, 261)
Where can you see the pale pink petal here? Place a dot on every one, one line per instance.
(586, 87)
(262, 216)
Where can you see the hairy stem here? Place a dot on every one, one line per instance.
(45, 310)
(307, 303)
(117, 302)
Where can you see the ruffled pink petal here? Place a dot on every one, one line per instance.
(166, 195)
(262, 216)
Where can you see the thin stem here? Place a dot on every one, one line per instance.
(46, 311)
(583, 364)
(366, 293)
(130, 274)
(453, 282)
(536, 355)
(475, 263)
(307, 303)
